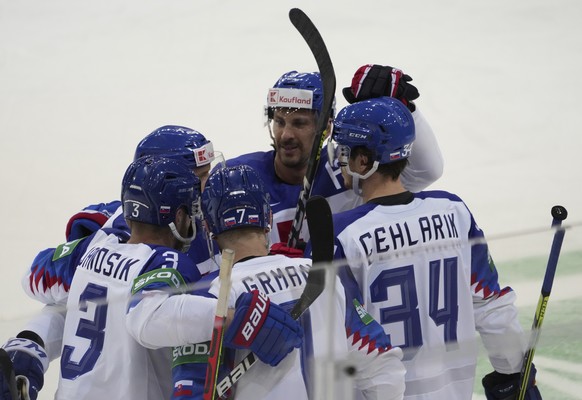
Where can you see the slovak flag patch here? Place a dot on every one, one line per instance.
(253, 219)
(229, 221)
(183, 388)
(165, 209)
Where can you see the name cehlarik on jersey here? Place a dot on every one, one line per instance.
(404, 234)
(102, 261)
(277, 279)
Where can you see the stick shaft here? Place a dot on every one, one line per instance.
(319, 50)
(219, 320)
(543, 300)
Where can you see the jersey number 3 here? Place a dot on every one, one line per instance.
(93, 330)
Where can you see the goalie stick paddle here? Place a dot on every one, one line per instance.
(218, 330)
(320, 224)
(8, 374)
(315, 42)
(559, 214)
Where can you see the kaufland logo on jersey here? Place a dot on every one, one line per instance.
(290, 98)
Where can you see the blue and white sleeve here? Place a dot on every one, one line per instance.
(379, 368)
(52, 270)
(496, 316)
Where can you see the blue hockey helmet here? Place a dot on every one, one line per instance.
(235, 197)
(180, 142)
(154, 188)
(296, 90)
(383, 125)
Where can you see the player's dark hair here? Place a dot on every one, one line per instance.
(391, 170)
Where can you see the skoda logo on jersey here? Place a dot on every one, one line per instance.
(191, 354)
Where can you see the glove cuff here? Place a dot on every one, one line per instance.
(248, 320)
(29, 347)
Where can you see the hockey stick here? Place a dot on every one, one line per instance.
(315, 42)
(320, 226)
(8, 374)
(559, 214)
(219, 319)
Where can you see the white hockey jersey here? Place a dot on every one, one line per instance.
(423, 267)
(380, 370)
(94, 277)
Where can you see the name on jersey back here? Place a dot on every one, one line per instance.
(383, 238)
(103, 261)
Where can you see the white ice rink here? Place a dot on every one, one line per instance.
(81, 82)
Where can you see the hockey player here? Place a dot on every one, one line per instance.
(171, 141)
(99, 358)
(237, 211)
(421, 263)
(192, 147)
(292, 108)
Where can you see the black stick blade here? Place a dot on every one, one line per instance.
(320, 224)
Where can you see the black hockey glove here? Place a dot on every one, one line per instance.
(8, 389)
(506, 386)
(372, 80)
(29, 362)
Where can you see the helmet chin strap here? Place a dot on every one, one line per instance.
(356, 184)
(268, 237)
(185, 241)
(356, 177)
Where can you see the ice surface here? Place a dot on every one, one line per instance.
(82, 82)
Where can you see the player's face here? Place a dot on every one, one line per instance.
(294, 132)
(202, 173)
(348, 183)
(183, 224)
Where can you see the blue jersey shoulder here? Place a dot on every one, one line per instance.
(165, 257)
(201, 287)
(437, 194)
(344, 219)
